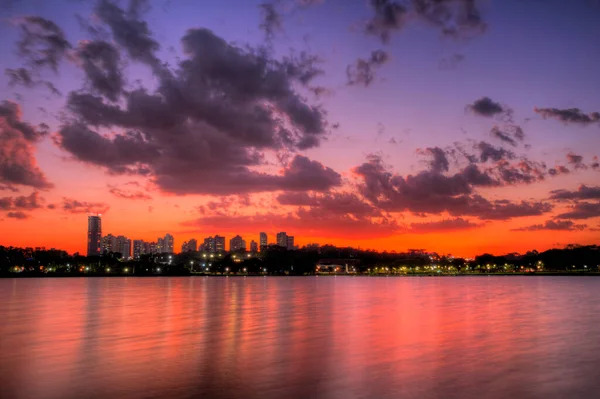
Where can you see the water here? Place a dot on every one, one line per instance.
(303, 337)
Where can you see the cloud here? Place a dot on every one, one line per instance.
(557, 225)
(129, 31)
(445, 225)
(453, 18)
(74, 206)
(510, 134)
(17, 161)
(388, 16)
(571, 115)
(19, 76)
(131, 195)
(17, 215)
(431, 192)
(362, 72)
(271, 20)
(100, 62)
(582, 210)
(583, 193)
(487, 107)
(30, 202)
(224, 109)
(339, 203)
(576, 161)
(42, 42)
(439, 161)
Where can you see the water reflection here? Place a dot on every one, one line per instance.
(337, 337)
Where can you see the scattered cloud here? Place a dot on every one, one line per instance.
(131, 195)
(362, 72)
(75, 206)
(487, 107)
(18, 215)
(583, 193)
(571, 115)
(558, 225)
(582, 210)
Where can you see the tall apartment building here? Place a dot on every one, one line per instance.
(94, 235)
(219, 244)
(282, 239)
(290, 243)
(263, 241)
(237, 243)
(169, 243)
(253, 246)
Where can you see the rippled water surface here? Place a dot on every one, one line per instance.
(303, 337)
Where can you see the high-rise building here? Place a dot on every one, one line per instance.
(219, 244)
(94, 235)
(184, 247)
(169, 243)
(282, 239)
(139, 248)
(208, 245)
(253, 246)
(152, 248)
(192, 245)
(160, 245)
(290, 243)
(124, 247)
(109, 244)
(263, 241)
(237, 243)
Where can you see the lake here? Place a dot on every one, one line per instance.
(300, 337)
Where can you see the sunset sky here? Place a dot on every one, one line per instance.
(456, 126)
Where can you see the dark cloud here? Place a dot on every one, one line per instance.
(209, 125)
(488, 152)
(100, 61)
(576, 161)
(582, 210)
(487, 107)
(30, 202)
(558, 225)
(17, 215)
(42, 42)
(362, 72)
(334, 203)
(19, 76)
(559, 170)
(74, 206)
(453, 18)
(510, 134)
(271, 20)
(443, 226)
(430, 192)
(388, 16)
(129, 31)
(439, 161)
(571, 115)
(17, 160)
(131, 195)
(583, 193)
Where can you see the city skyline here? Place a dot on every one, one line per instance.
(387, 127)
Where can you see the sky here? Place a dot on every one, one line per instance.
(455, 126)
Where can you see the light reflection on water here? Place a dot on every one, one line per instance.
(304, 337)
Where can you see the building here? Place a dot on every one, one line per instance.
(109, 244)
(282, 239)
(208, 245)
(263, 241)
(94, 247)
(237, 244)
(290, 243)
(192, 245)
(124, 247)
(138, 248)
(253, 246)
(160, 245)
(219, 244)
(169, 243)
